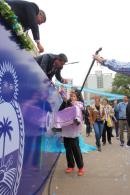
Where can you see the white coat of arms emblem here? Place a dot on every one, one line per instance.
(11, 131)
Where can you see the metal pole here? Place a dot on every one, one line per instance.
(90, 69)
(71, 63)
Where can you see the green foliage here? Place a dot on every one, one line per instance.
(8, 15)
(121, 84)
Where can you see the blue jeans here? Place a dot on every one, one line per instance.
(98, 128)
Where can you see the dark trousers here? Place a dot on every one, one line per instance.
(32, 149)
(117, 128)
(109, 133)
(73, 152)
(88, 128)
(128, 143)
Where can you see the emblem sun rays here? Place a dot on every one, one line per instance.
(7, 67)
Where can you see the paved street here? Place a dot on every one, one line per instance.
(107, 173)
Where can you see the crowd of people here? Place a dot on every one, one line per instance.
(104, 117)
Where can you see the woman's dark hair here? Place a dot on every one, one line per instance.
(78, 94)
(63, 57)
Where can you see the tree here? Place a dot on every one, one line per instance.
(5, 129)
(121, 84)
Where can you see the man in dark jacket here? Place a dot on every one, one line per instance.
(128, 118)
(52, 65)
(30, 17)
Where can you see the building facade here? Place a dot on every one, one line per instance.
(98, 81)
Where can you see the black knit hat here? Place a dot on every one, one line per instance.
(63, 57)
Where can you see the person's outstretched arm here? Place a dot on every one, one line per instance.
(115, 65)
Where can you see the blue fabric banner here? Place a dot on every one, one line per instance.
(94, 91)
(54, 144)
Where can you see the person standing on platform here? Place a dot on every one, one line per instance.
(30, 16)
(52, 64)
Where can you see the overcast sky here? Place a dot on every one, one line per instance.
(79, 27)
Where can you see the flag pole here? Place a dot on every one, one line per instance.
(96, 53)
